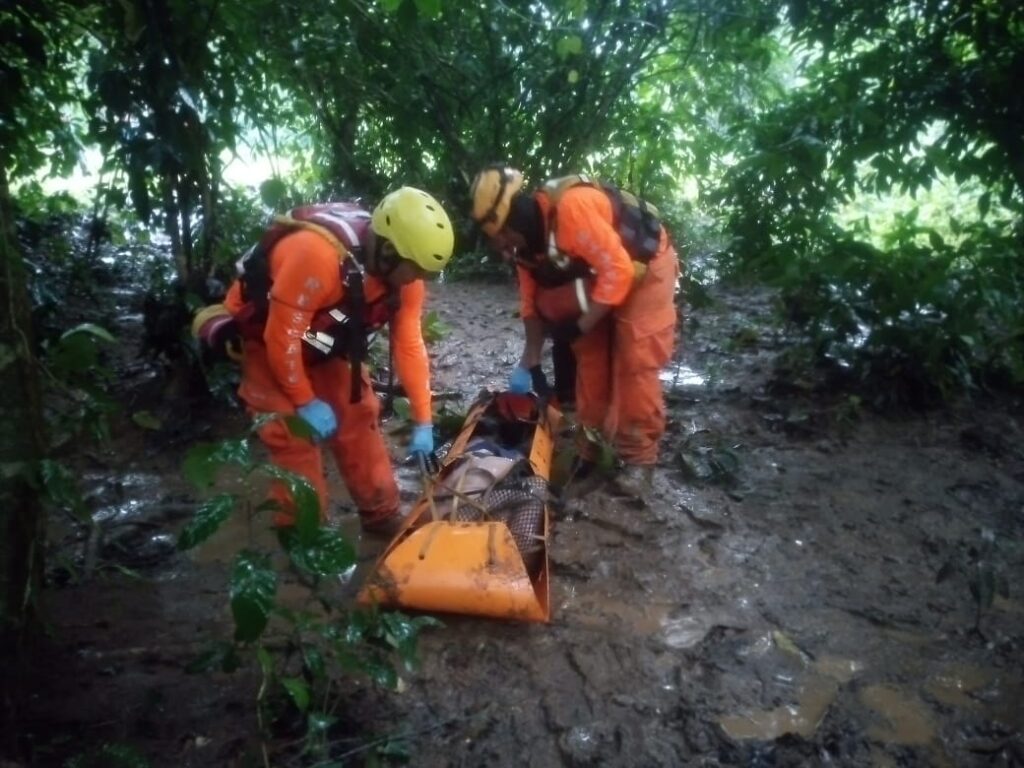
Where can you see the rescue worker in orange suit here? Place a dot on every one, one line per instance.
(339, 250)
(624, 338)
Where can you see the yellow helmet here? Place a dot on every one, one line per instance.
(492, 193)
(417, 225)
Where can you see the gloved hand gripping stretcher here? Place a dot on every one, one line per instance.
(476, 541)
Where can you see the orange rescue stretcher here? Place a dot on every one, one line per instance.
(439, 563)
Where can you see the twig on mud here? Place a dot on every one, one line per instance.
(261, 694)
(608, 525)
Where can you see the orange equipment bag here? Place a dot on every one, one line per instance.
(479, 546)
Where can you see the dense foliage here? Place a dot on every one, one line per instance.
(895, 98)
(777, 119)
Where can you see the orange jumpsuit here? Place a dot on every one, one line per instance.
(618, 389)
(305, 275)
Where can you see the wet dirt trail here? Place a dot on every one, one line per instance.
(776, 603)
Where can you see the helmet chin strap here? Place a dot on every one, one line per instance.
(524, 217)
(379, 264)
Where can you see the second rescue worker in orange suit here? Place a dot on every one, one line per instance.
(408, 237)
(624, 338)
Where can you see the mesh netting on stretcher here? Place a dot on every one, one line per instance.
(483, 486)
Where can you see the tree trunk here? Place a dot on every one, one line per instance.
(22, 441)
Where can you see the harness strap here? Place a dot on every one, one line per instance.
(637, 222)
(292, 224)
(355, 295)
(256, 263)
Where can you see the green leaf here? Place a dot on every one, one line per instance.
(253, 586)
(266, 661)
(433, 328)
(75, 353)
(346, 660)
(568, 46)
(304, 497)
(205, 459)
(320, 722)
(60, 485)
(390, 6)
(402, 633)
(208, 518)
(272, 192)
(576, 8)
(200, 465)
(298, 690)
(133, 25)
(327, 553)
(381, 672)
(402, 408)
(147, 420)
(429, 8)
(313, 660)
(90, 329)
(984, 204)
(299, 427)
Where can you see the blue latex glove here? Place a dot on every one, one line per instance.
(422, 439)
(320, 417)
(520, 381)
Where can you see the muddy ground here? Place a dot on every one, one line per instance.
(775, 604)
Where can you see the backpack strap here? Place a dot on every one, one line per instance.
(555, 188)
(255, 276)
(355, 299)
(636, 221)
(293, 224)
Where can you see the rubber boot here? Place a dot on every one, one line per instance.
(634, 481)
(384, 527)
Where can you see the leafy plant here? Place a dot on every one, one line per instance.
(434, 329)
(303, 652)
(568, 466)
(704, 458)
(891, 101)
(82, 401)
(478, 265)
(78, 407)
